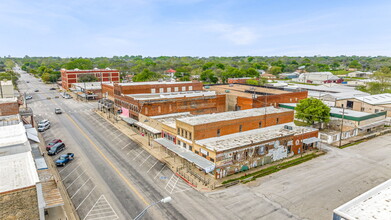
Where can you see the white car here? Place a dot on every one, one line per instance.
(29, 97)
(43, 125)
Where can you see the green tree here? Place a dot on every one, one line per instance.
(250, 59)
(45, 77)
(87, 78)
(208, 76)
(146, 75)
(83, 64)
(312, 110)
(355, 64)
(275, 70)
(251, 72)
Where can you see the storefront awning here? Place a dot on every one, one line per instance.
(311, 140)
(148, 128)
(128, 120)
(206, 165)
(372, 125)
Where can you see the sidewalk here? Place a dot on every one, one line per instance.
(160, 153)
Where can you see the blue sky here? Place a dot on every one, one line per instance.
(89, 28)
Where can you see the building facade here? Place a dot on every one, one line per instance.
(152, 104)
(103, 75)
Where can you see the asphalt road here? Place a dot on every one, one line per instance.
(113, 178)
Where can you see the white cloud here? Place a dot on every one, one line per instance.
(240, 35)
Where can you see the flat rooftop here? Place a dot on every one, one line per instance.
(373, 204)
(12, 135)
(231, 115)
(154, 83)
(380, 99)
(89, 85)
(171, 95)
(8, 100)
(9, 120)
(170, 119)
(240, 90)
(241, 139)
(17, 171)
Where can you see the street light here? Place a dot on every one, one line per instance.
(164, 200)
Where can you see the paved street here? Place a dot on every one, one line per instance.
(113, 178)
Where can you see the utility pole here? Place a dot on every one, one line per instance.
(340, 135)
(85, 93)
(1, 89)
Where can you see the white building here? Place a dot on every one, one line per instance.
(374, 204)
(6, 89)
(318, 78)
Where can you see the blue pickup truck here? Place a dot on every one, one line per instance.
(64, 159)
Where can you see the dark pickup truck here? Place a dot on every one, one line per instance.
(64, 159)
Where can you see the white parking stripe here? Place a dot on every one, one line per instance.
(85, 198)
(153, 165)
(160, 171)
(76, 179)
(70, 173)
(145, 160)
(126, 145)
(80, 188)
(138, 154)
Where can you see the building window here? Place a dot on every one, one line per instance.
(277, 120)
(376, 110)
(159, 109)
(196, 152)
(161, 90)
(176, 89)
(240, 128)
(190, 148)
(179, 142)
(260, 124)
(362, 109)
(183, 88)
(218, 132)
(153, 90)
(168, 89)
(190, 88)
(146, 110)
(190, 135)
(213, 160)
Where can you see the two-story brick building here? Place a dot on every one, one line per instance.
(103, 75)
(238, 140)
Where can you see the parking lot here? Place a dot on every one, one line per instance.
(88, 199)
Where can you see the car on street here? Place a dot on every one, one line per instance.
(29, 97)
(52, 88)
(52, 143)
(57, 148)
(27, 81)
(64, 159)
(43, 125)
(37, 90)
(57, 111)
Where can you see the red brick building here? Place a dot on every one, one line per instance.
(230, 142)
(242, 97)
(9, 106)
(103, 75)
(151, 104)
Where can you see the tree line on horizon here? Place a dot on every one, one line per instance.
(207, 69)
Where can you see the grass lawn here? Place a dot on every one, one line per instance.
(300, 123)
(275, 168)
(340, 72)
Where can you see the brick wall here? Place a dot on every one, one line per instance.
(297, 140)
(194, 105)
(71, 76)
(109, 89)
(11, 108)
(166, 87)
(262, 101)
(19, 204)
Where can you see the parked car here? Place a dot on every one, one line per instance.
(52, 88)
(52, 143)
(37, 90)
(43, 125)
(27, 81)
(57, 111)
(57, 148)
(64, 159)
(29, 97)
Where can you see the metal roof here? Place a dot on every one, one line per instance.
(379, 99)
(148, 128)
(206, 165)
